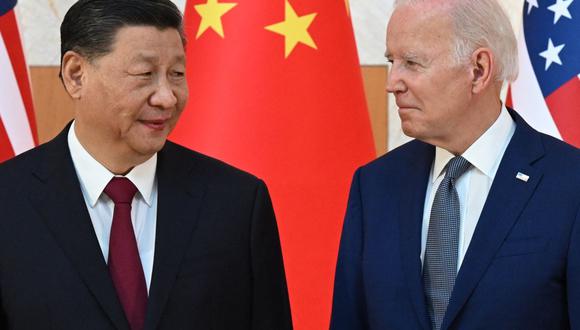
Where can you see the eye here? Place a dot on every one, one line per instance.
(145, 74)
(178, 74)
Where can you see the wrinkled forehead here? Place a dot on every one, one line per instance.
(147, 44)
(419, 26)
(421, 15)
(443, 4)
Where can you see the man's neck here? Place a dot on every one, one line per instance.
(481, 116)
(107, 153)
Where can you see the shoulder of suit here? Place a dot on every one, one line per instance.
(212, 168)
(556, 147)
(24, 162)
(15, 173)
(179, 157)
(557, 154)
(401, 156)
(560, 158)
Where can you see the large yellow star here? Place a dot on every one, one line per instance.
(294, 28)
(211, 16)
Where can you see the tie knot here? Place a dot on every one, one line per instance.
(121, 190)
(456, 167)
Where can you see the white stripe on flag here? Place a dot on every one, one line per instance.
(527, 96)
(12, 110)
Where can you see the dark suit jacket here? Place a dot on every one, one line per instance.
(217, 263)
(522, 267)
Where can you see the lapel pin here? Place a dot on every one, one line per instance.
(522, 176)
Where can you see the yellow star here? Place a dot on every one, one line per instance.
(294, 28)
(211, 16)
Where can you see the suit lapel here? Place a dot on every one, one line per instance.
(506, 200)
(410, 224)
(59, 201)
(181, 190)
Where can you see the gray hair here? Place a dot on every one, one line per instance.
(481, 23)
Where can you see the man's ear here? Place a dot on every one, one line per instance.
(73, 71)
(482, 66)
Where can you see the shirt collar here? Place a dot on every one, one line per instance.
(486, 152)
(94, 177)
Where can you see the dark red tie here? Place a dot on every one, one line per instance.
(124, 262)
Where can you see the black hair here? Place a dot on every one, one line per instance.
(90, 26)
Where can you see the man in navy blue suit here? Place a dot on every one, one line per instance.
(476, 223)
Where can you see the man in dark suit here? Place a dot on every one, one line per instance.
(476, 223)
(108, 226)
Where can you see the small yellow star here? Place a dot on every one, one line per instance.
(211, 16)
(346, 2)
(294, 28)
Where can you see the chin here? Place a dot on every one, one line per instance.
(409, 130)
(151, 148)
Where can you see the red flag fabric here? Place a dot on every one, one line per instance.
(17, 123)
(276, 89)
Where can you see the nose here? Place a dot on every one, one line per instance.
(164, 96)
(395, 82)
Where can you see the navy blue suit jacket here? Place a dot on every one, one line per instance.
(522, 267)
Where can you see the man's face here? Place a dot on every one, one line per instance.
(431, 90)
(132, 97)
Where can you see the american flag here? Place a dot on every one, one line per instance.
(17, 123)
(547, 92)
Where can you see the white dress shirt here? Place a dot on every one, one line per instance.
(473, 186)
(94, 177)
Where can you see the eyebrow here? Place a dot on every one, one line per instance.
(155, 58)
(407, 56)
(412, 56)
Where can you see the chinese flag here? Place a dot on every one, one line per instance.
(276, 89)
(17, 123)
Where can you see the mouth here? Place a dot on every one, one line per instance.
(403, 106)
(155, 124)
(406, 112)
(406, 109)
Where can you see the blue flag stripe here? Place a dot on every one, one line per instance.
(6, 6)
